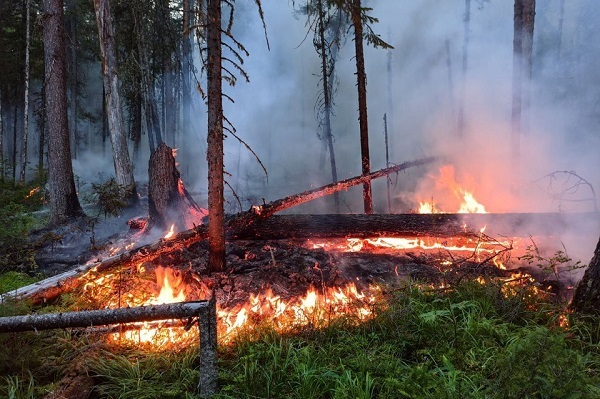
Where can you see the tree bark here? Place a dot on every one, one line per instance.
(118, 137)
(64, 204)
(187, 63)
(26, 95)
(361, 79)
(587, 293)
(165, 202)
(1, 138)
(214, 153)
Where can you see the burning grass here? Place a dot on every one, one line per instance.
(473, 340)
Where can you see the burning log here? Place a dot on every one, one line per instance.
(54, 286)
(204, 310)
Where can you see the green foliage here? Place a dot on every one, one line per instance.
(18, 388)
(17, 200)
(463, 343)
(111, 197)
(12, 280)
(559, 263)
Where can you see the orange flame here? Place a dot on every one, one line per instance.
(447, 180)
(170, 233)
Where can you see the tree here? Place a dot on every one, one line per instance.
(64, 204)
(362, 31)
(116, 125)
(214, 153)
(463, 83)
(587, 293)
(328, 29)
(26, 96)
(524, 19)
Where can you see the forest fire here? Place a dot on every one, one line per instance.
(447, 181)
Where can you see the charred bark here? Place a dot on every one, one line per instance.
(587, 293)
(165, 202)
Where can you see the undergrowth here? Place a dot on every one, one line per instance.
(475, 341)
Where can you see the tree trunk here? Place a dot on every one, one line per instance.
(116, 125)
(214, 153)
(71, 28)
(187, 64)
(524, 20)
(361, 79)
(465, 57)
(587, 293)
(42, 130)
(1, 138)
(14, 136)
(165, 202)
(26, 96)
(64, 204)
(326, 76)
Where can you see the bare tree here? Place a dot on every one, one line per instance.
(64, 204)
(465, 58)
(116, 125)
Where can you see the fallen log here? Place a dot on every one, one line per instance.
(103, 317)
(54, 286)
(204, 310)
(440, 225)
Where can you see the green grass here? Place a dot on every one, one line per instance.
(471, 342)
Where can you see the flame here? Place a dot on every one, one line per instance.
(170, 233)
(32, 192)
(447, 181)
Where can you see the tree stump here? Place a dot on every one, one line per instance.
(166, 202)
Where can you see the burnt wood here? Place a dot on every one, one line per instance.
(411, 225)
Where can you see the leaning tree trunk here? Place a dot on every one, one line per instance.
(587, 294)
(361, 79)
(64, 204)
(214, 153)
(116, 125)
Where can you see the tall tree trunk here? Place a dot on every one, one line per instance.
(587, 293)
(136, 122)
(187, 63)
(361, 79)
(326, 76)
(524, 11)
(42, 129)
(26, 96)
(214, 153)
(1, 139)
(14, 136)
(71, 28)
(116, 125)
(64, 204)
(465, 59)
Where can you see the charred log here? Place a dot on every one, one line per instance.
(52, 287)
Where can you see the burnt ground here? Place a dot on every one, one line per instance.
(288, 267)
